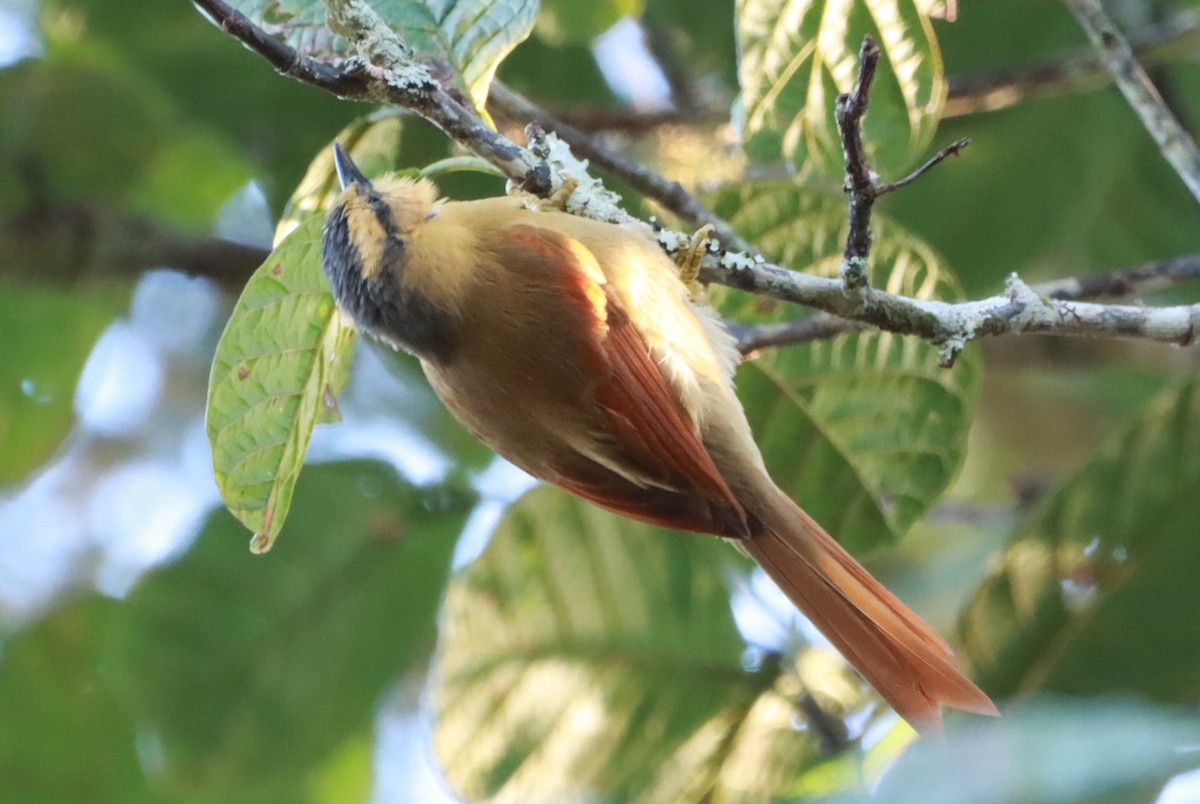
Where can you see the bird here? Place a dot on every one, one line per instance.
(575, 350)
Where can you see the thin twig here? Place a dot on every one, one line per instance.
(953, 149)
(1173, 38)
(1176, 144)
(1126, 281)
(641, 177)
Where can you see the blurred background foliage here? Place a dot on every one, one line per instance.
(419, 634)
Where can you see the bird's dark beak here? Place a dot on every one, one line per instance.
(347, 172)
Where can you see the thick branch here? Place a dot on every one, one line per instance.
(401, 82)
(1116, 284)
(952, 324)
(1176, 144)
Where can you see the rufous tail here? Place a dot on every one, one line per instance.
(911, 666)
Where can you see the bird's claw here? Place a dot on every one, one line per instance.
(690, 257)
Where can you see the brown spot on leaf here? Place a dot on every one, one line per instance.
(243, 372)
(278, 269)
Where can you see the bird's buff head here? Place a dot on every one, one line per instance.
(367, 245)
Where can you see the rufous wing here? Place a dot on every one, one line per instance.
(671, 479)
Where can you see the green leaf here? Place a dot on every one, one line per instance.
(47, 336)
(276, 374)
(586, 657)
(472, 36)
(63, 735)
(798, 55)
(1045, 751)
(252, 671)
(1096, 593)
(864, 431)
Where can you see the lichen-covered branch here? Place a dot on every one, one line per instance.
(951, 325)
(641, 177)
(390, 75)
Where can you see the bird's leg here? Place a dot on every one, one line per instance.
(689, 258)
(556, 201)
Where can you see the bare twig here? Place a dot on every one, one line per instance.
(641, 177)
(953, 149)
(1126, 281)
(1173, 38)
(1176, 144)
(822, 326)
(862, 185)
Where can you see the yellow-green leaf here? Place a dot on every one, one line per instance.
(273, 378)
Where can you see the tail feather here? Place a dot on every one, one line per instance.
(911, 666)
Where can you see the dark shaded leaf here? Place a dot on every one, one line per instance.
(1096, 593)
(63, 736)
(250, 671)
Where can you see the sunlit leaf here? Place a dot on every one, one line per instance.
(1096, 593)
(865, 431)
(47, 335)
(273, 379)
(798, 55)
(587, 657)
(250, 671)
(63, 735)
(472, 36)
(1045, 751)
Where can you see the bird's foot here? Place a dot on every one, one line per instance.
(689, 258)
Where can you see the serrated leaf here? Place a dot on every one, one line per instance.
(472, 36)
(273, 378)
(586, 657)
(798, 55)
(865, 431)
(1096, 593)
(250, 672)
